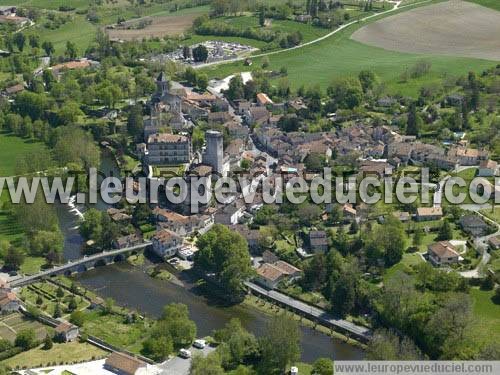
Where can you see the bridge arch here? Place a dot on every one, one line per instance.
(119, 258)
(100, 263)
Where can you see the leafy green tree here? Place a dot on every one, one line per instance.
(322, 366)
(414, 121)
(157, 348)
(135, 122)
(367, 79)
(386, 346)
(59, 292)
(19, 40)
(48, 47)
(225, 253)
(175, 322)
(202, 81)
(237, 344)
(109, 305)
(47, 344)
(346, 92)
(236, 89)
(281, 345)
(71, 50)
(77, 318)
(25, 339)
(200, 53)
(209, 365)
(445, 232)
(417, 238)
(14, 258)
(72, 305)
(262, 16)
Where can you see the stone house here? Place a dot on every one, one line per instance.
(166, 243)
(66, 332)
(443, 253)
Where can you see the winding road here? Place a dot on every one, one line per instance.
(326, 36)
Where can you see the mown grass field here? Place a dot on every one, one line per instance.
(11, 149)
(487, 313)
(60, 353)
(493, 4)
(339, 56)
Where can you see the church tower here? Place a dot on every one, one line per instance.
(162, 84)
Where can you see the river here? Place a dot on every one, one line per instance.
(132, 287)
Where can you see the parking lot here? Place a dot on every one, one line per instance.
(180, 366)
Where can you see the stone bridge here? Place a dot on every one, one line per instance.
(82, 265)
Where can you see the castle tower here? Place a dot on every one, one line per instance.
(214, 152)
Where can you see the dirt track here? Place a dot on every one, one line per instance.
(455, 28)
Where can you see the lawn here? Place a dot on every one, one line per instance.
(11, 149)
(487, 327)
(339, 56)
(493, 213)
(113, 329)
(70, 352)
(32, 265)
(493, 4)
(405, 265)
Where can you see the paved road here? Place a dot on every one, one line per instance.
(181, 366)
(321, 315)
(326, 36)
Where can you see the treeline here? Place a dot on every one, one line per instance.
(204, 26)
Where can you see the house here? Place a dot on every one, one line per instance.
(7, 10)
(8, 301)
(166, 243)
(271, 274)
(304, 18)
(257, 115)
(13, 90)
(487, 168)
(263, 99)
(251, 235)
(348, 211)
(429, 213)
(468, 156)
(494, 242)
(124, 364)
(180, 224)
(66, 332)
(443, 253)
(318, 241)
(230, 214)
(474, 225)
(118, 215)
(127, 241)
(219, 117)
(59, 69)
(269, 257)
(402, 216)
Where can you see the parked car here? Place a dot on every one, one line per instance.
(184, 353)
(200, 344)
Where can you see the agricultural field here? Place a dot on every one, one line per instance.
(13, 323)
(340, 56)
(160, 26)
(455, 28)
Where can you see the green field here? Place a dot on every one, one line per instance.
(47, 4)
(11, 149)
(494, 4)
(71, 352)
(13, 323)
(487, 312)
(339, 56)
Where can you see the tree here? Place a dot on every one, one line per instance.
(77, 318)
(109, 305)
(200, 53)
(19, 41)
(445, 232)
(48, 47)
(225, 253)
(202, 81)
(13, 259)
(262, 16)
(175, 322)
(34, 41)
(25, 339)
(237, 344)
(235, 90)
(386, 345)
(346, 92)
(417, 238)
(135, 123)
(343, 297)
(72, 305)
(157, 348)
(59, 292)
(71, 50)
(47, 343)
(314, 161)
(413, 122)
(367, 79)
(281, 345)
(322, 366)
(209, 365)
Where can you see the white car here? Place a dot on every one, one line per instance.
(200, 344)
(184, 353)
(294, 370)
